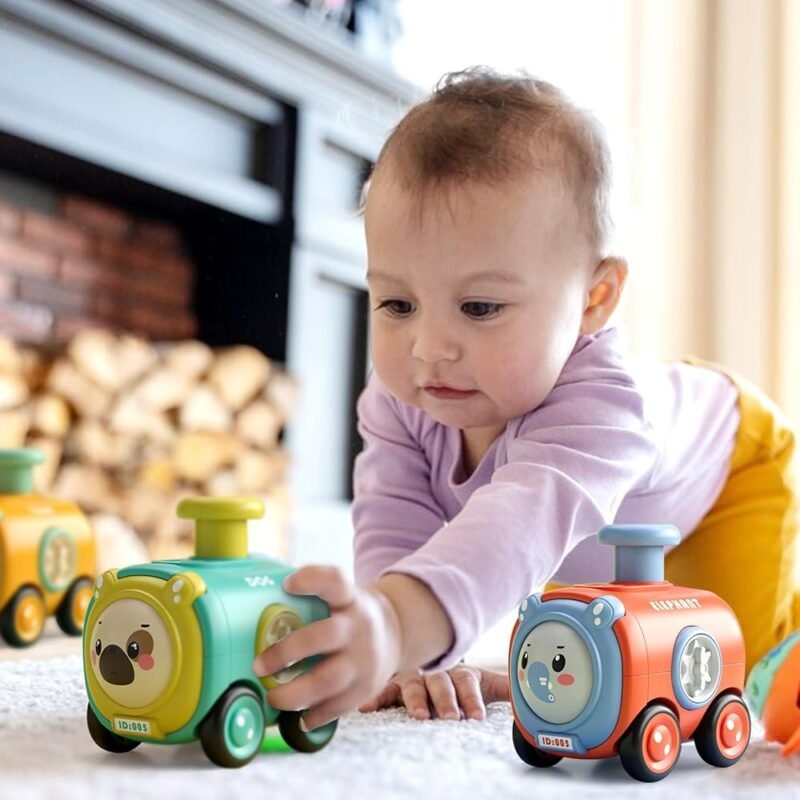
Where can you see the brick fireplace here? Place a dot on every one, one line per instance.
(193, 169)
(91, 265)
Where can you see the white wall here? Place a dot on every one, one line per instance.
(582, 46)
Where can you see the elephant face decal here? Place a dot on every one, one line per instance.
(554, 671)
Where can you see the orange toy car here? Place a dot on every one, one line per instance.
(631, 668)
(773, 691)
(47, 555)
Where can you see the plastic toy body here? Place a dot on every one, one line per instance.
(773, 691)
(630, 668)
(47, 555)
(169, 646)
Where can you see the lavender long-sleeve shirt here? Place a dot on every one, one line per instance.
(610, 442)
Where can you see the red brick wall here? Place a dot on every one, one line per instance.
(91, 265)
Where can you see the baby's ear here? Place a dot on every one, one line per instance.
(605, 290)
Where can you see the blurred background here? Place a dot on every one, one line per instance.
(182, 297)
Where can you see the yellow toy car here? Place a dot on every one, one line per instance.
(47, 555)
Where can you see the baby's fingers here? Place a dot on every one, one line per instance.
(329, 583)
(468, 689)
(390, 696)
(331, 709)
(325, 636)
(415, 697)
(443, 695)
(495, 687)
(331, 677)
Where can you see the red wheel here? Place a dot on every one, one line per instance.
(724, 733)
(650, 748)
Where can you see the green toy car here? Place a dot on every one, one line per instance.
(168, 646)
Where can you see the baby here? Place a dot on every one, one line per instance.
(503, 425)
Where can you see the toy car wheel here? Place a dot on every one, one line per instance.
(22, 620)
(72, 610)
(300, 740)
(106, 739)
(531, 755)
(650, 748)
(724, 732)
(233, 731)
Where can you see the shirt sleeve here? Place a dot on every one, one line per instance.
(394, 511)
(569, 466)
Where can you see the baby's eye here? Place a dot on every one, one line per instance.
(479, 309)
(559, 662)
(397, 308)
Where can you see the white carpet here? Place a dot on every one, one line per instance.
(46, 752)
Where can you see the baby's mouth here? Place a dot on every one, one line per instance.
(448, 392)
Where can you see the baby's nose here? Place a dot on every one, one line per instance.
(433, 342)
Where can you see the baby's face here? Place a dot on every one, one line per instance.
(476, 306)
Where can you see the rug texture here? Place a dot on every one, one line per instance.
(46, 752)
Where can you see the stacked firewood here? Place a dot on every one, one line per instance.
(128, 428)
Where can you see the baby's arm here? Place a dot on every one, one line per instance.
(388, 622)
(394, 510)
(394, 504)
(566, 475)
(569, 466)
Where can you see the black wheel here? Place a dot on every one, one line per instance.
(300, 740)
(22, 620)
(531, 755)
(724, 732)
(106, 739)
(232, 732)
(71, 612)
(650, 748)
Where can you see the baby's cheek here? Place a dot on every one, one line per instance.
(146, 662)
(520, 676)
(94, 659)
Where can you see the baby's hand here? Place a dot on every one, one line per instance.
(361, 641)
(462, 690)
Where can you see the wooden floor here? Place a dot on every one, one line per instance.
(52, 645)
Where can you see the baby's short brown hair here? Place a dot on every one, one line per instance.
(479, 125)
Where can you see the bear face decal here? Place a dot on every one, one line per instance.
(131, 653)
(554, 672)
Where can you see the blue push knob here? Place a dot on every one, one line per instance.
(639, 553)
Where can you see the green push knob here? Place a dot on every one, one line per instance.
(221, 524)
(16, 469)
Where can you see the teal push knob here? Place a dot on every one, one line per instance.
(16, 469)
(639, 550)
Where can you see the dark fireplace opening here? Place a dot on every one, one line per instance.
(358, 369)
(240, 285)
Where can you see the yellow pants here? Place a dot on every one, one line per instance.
(745, 549)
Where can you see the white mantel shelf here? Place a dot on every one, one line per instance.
(103, 81)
